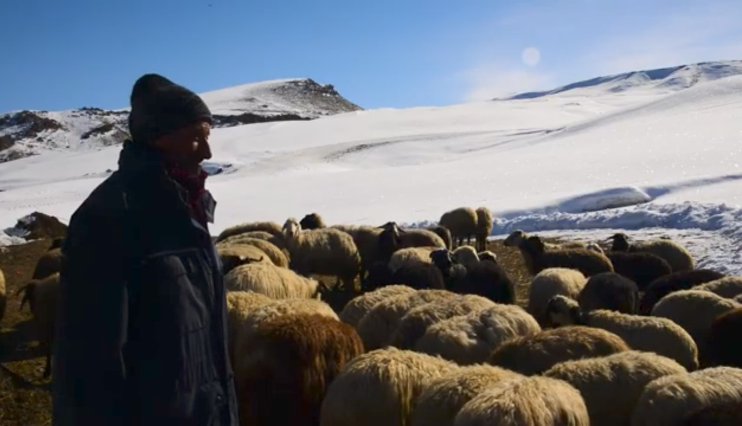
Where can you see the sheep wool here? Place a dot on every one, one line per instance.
(380, 388)
(723, 343)
(270, 280)
(471, 338)
(729, 287)
(410, 256)
(233, 255)
(485, 223)
(269, 227)
(276, 256)
(534, 401)
(612, 385)
(549, 283)
(240, 305)
(668, 400)
(442, 399)
(462, 222)
(361, 305)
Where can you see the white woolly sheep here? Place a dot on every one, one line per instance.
(549, 283)
(42, 296)
(462, 222)
(412, 326)
(323, 251)
(729, 287)
(442, 399)
(667, 401)
(240, 305)
(270, 280)
(676, 255)
(612, 385)
(652, 334)
(269, 227)
(377, 326)
(367, 243)
(533, 401)
(410, 255)
(683, 280)
(380, 388)
(276, 256)
(538, 352)
(471, 338)
(485, 223)
(234, 255)
(695, 311)
(361, 305)
(465, 255)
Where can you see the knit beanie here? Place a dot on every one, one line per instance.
(160, 107)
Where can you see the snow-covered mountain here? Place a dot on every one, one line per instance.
(663, 80)
(27, 133)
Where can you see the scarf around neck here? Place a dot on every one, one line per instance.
(195, 186)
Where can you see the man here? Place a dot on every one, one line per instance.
(141, 331)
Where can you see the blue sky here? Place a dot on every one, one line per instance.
(73, 53)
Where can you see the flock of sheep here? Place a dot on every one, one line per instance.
(632, 334)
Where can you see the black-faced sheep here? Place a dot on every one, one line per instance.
(485, 223)
(462, 222)
(377, 326)
(642, 268)
(667, 401)
(723, 342)
(549, 283)
(729, 287)
(611, 291)
(471, 338)
(539, 258)
(295, 358)
(695, 311)
(652, 334)
(533, 401)
(676, 255)
(269, 227)
(410, 255)
(393, 238)
(380, 388)
(676, 281)
(412, 326)
(445, 235)
(323, 251)
(472, 276)
(50, 263)
(42, 296)
(537, 353)
(312, 221)
(361, 305)
(419, 277)
(442, 399)
(270, 280)
(612, 385)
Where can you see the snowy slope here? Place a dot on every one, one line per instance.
(656, 162)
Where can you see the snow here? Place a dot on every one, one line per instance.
(580, 163)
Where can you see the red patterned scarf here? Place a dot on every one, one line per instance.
(195, 186)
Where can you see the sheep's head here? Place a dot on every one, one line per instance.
(312, 221)
(442, 259)
(534, 244)
(389, 240)
(487, 255)
(291, 228)
(515, 238)
(561, 310)
(465, 255)
(620, 242)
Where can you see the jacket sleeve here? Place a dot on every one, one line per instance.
(89, 370)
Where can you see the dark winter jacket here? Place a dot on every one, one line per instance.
(141, 330)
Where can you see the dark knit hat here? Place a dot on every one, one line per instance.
(159, 107)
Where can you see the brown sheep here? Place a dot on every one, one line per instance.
(295, 358)
(485, 223)
(312, 221)
(586, 261)
(462, 222)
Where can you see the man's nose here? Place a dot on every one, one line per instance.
(205, 150)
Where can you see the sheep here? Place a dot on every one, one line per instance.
(42, 296)
(695, 311)
(240, 305)
(312, 221)
(487, 255)
(612, 385)
(377, 326)
(393, 238)
(676, 255)
(729, 287)
(421, 276)
(595, 247)
(538, 258)
(361, 305)
(442, 399)
(469, 339)
(723, 341)
(410, 255)
(729, 414)
(536, 353)
(534, 401)
(485, 223)
(445, 235)
(642, 268)
(380, 388)
(50, 263)
(367, 242)
(3, 296)
(465, 255)
(276, 256)
(549, 283)
(462, 222)
(295, 358)
(232, 256)
(608, 290)
(516, 237)
(683, 280)
(323, 251)
(651, 334)
(413, 324)
(276, 240)
(487, 279)
(269, 227)
(668, 400)
(270, 280)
